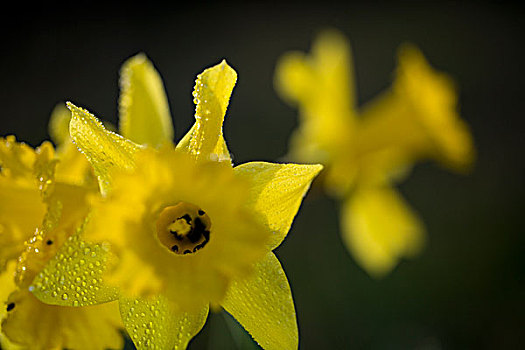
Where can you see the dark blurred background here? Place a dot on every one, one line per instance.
(467, 288)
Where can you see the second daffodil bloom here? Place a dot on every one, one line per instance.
(186, 229)
(43, 201)
(367, 150)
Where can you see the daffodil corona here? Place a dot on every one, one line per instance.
(185, 229)
(366, 151)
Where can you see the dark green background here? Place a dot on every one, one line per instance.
(465, 291)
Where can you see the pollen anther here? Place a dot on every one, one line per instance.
(183, 228)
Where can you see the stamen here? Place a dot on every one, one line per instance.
(183, 228)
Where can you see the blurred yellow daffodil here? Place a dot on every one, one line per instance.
(186, 229)
(367, 150)
(45, 199)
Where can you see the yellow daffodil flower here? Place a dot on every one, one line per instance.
(186, 229)
(367, 150)
(45, 201)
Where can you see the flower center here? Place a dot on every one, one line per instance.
(183, 228)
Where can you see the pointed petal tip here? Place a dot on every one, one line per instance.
(75, 110)
(318, 168)
(137, 59)
(224, 65)
(314, 168)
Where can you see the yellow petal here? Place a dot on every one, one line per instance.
(212, 92)
(322, 86)
(263, 305)
(379, 229)
(73, 277)
(276, 193)
(329, 66)
(143, 106)
(21, 211)
(8, 286)
(16, 158)
(73, 167)
(152, 324)
(432, 99)
(39, 326)
(105, 150)
(59, 124)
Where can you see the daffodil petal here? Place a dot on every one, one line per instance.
(277, 191)
(220, 152)
(8, 286)
(21, 210)
(59, 124)
(298, 76)
(433, 100)
(321, 84)
(73, 277)
(152, 324)
(213, 89)
(105, 150)
(263, 305)
(379, 229)
(143, 106)
(16, 158)
(39, 326)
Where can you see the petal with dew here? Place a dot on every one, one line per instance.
(213, 89)
(16, 158)
(379, 229)
(263, 305)
(276, 193)
(152, 324)
(143, 106)
(105, 150)
(73, 277)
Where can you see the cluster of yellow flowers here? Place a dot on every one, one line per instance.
(129, 231)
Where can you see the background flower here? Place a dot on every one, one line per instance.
(464, 290)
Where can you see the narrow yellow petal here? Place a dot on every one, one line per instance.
(277, 191)
(143, 106)
(213, 89)
(321, 84)
(105, 150)
(379, 229)
(73, 277)
(59, 124)
(152, 324)
(263, 305)
(298, 76)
